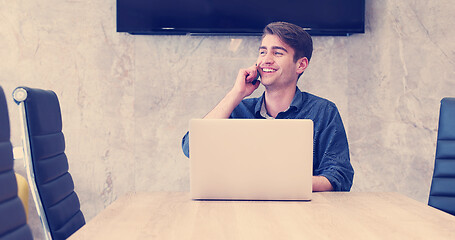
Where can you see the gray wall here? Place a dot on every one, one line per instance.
(126, 100)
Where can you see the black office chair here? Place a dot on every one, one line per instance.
(442, 192)
(44, 145)
(13, 223)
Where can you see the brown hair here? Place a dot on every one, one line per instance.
(292, 35)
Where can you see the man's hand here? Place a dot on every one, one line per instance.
(321, 184)
(244, 86)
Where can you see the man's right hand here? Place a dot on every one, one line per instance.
(244, 86)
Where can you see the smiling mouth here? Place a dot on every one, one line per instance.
(268, 70)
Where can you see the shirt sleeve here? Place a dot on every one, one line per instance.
(185, 144)
(333, 161)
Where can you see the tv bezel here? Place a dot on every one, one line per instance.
(240, 32)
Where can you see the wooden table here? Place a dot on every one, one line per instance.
(330, 215)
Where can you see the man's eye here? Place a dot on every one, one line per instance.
(262, 53)
(278, 53)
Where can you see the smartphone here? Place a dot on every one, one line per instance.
(258, 78)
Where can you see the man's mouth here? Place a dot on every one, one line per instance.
(268, 70)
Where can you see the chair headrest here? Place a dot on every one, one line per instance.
(446, 128)
(43, 106)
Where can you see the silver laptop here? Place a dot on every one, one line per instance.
(251, 159)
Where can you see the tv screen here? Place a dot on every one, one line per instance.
(238, 17)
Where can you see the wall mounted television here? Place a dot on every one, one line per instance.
(239, 17)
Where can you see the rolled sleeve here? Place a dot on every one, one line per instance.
(186, 144)
(333, 155)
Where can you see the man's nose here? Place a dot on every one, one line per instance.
(268, 58)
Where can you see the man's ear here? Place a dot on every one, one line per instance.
(302, 64)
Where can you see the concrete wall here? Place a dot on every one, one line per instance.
(126, 100)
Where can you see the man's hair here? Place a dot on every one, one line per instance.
(292, 35)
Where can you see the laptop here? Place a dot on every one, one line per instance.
(251, 159)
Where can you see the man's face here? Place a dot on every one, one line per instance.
(276, 63)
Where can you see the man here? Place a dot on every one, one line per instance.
(283, 57)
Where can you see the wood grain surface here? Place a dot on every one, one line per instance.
(330, 215)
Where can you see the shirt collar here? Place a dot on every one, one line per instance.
(264, 113)
(297, 104)
(257, 108)
(298, 100)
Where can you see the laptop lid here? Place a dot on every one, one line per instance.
(251, 159)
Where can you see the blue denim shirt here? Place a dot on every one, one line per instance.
(331, 150)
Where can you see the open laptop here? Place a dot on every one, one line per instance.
(251, 159)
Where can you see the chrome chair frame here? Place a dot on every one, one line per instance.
(20, 95)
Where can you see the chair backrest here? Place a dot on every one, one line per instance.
(442, 192)
(13, 223)
(44, 145)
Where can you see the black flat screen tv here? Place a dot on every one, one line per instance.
(239, 17)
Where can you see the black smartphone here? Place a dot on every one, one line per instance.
(258, 78)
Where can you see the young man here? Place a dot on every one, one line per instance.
(283, 56)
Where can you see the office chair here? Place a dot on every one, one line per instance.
(13, 223)
(442, 192)
(51, 184)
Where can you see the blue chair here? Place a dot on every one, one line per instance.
(13, 223)
(44, 145)
(442, 192)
